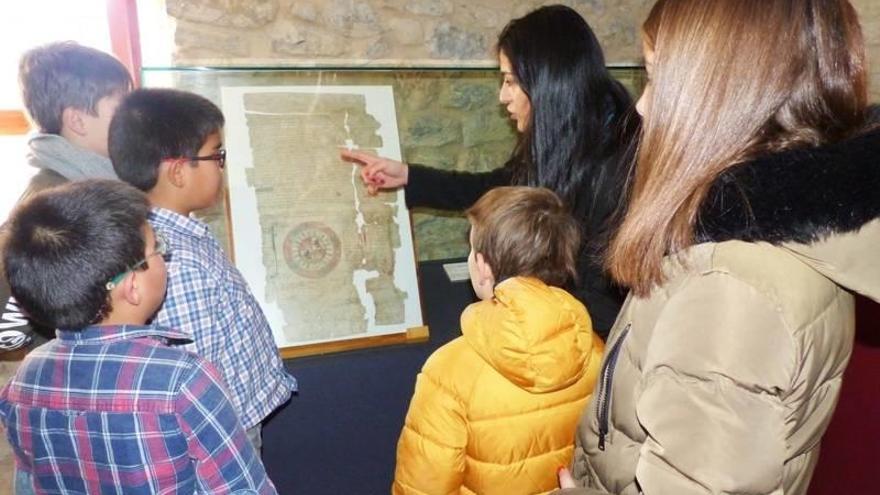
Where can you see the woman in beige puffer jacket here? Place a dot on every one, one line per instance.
(754, 215)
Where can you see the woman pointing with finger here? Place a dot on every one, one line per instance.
(574, 125)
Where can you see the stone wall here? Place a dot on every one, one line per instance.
(413, 33)
(399, 33)
(375, 31)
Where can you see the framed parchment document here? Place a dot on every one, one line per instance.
(327, 261)
(332, 267)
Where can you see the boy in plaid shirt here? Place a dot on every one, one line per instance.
(168, 144)
(109, 406)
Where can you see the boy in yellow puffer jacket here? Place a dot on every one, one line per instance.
(495, 410)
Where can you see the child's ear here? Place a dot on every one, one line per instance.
(127, 290)
(484, 271)
(174, 171)
(72, 120)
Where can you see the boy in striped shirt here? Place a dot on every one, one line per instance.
(169, 144)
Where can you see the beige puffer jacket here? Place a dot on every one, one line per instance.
(724, 379)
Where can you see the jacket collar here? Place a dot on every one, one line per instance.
(798, 196)
(104, 334)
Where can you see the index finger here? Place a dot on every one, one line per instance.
(356, 156)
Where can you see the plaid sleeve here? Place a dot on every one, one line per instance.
(225, 460)
(193, 305)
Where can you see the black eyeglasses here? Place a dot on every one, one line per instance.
(219, 157)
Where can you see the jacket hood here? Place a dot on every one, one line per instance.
(537, 336)
(821, 203)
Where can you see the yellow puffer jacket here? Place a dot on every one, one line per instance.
(495, 410)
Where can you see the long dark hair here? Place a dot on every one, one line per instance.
(581, 122)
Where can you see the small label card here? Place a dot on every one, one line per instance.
(457, 271)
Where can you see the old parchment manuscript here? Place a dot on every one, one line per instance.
(333, 261)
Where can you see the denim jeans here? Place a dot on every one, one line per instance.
(255, 435)
(23, 483)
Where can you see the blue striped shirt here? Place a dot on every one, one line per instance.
(209, 299)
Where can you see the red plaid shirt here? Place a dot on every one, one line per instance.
(115, 410)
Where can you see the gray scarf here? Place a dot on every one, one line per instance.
(55, 153)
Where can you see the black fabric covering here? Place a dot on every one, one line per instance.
(800, 195)
(339, 435)
(452, 190)
(19, 332)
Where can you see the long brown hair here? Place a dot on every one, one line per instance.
(731, 79)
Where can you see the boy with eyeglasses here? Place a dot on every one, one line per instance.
(168, 143)
(111, 404)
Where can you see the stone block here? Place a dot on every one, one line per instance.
(482, 16)
(485, 127)
(470, 96)
(304, 10)
(405, 31)
(436, 8)
(291, 43)
(452, 42)
(488, 156)
(245, 14)
(444, 157)
(191, 38)
(440, 235)
(352, 18)
(303, 42)
(377, 49)
(433, 129)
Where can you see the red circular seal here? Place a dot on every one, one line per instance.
(312, 249)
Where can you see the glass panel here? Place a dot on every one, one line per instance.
(448, 118)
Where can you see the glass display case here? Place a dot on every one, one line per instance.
(333, 267)
(447, 118)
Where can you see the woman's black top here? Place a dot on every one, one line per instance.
(451, 190)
